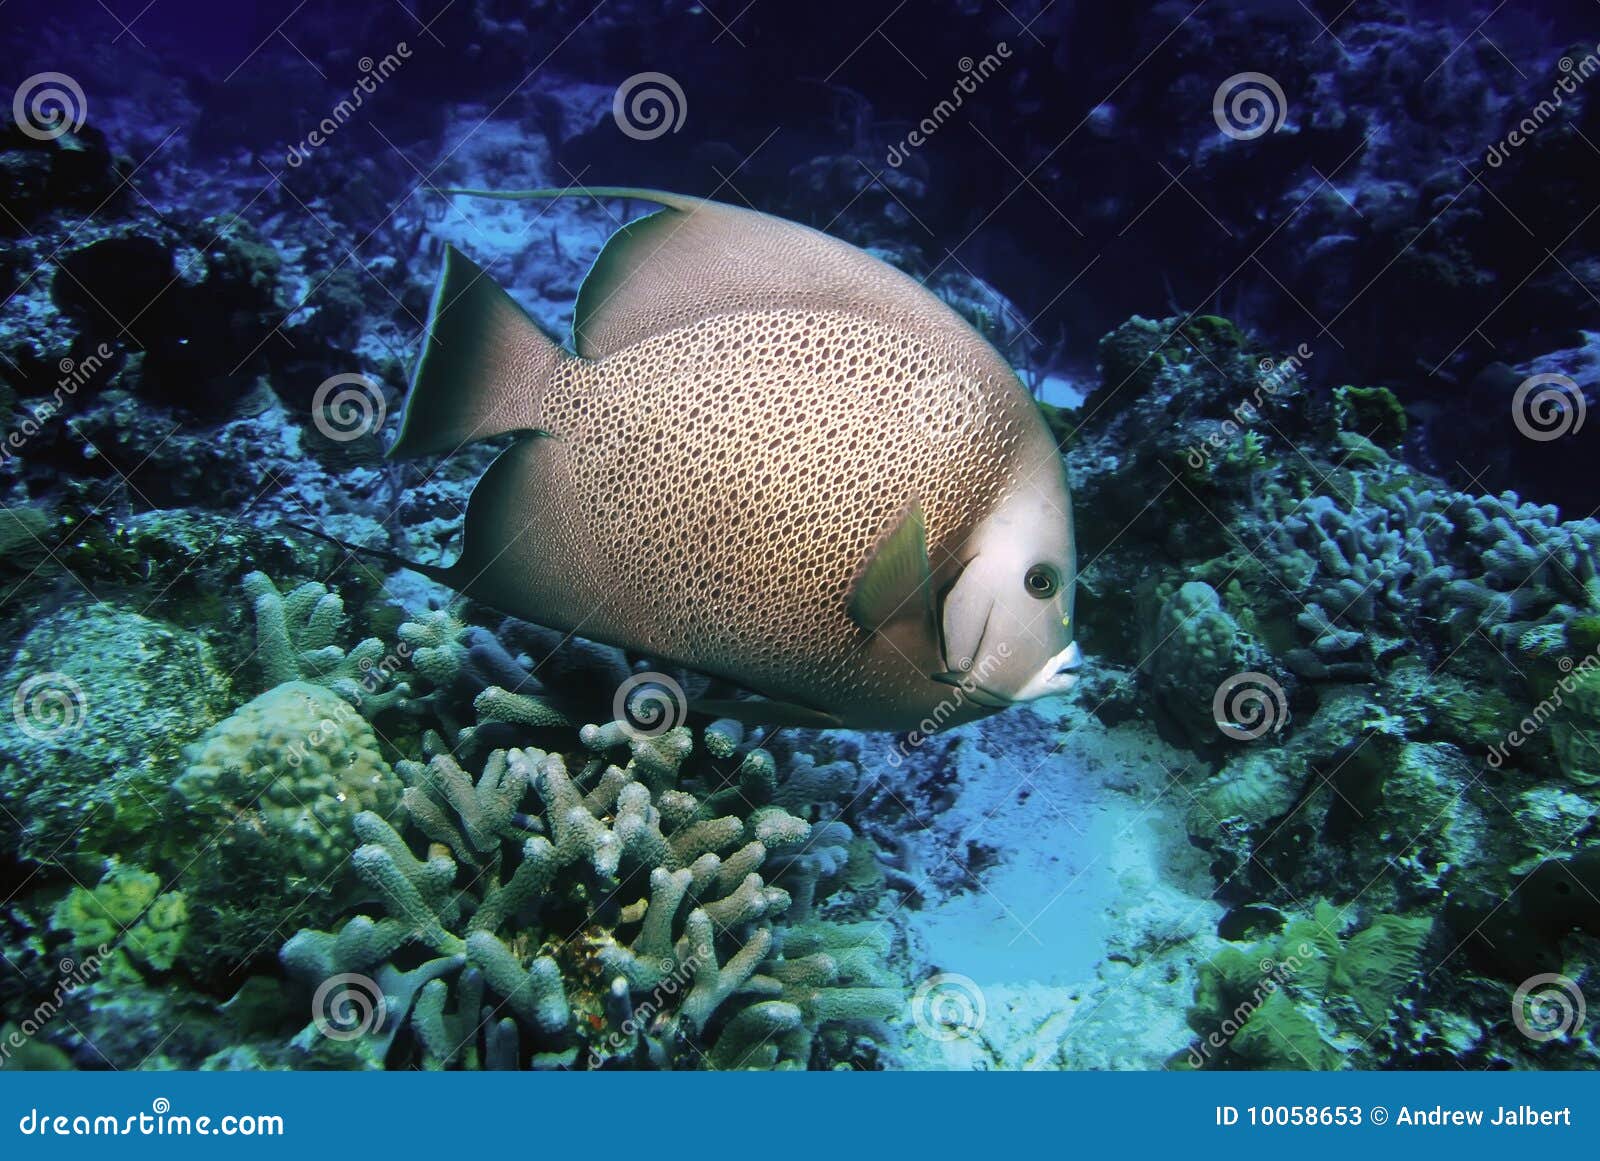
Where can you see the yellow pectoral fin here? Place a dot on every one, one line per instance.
(893, 584)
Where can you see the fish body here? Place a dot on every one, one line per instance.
(772, 459)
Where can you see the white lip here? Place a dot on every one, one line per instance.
(1056, 676)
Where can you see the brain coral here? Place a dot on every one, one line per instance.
(278, 785)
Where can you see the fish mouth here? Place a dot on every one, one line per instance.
(1057, 675)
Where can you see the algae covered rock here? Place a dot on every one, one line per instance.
(1575, 734)
(1309, 997)
(102, 701)
(1197, 647)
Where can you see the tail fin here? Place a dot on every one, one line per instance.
(445, 576)
(484, 368)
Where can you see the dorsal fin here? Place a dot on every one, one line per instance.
(697, 259)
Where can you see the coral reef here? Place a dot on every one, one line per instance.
(103, 700)
(590, 898)
(1340, 609)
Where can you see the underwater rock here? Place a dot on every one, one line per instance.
(103, 701)
(74, 171)
(1195, 645)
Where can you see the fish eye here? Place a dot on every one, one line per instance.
(1042, 582)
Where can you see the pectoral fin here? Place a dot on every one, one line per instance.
(894, 583)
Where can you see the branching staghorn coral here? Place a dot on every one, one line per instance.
(1393, 560)
(544, 954)
(296, 640)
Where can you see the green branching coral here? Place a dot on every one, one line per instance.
(434, 648)
(599, 916)
(297, 638)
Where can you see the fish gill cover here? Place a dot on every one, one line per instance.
(1162, 431)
